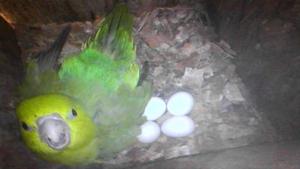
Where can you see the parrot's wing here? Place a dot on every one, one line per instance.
(41, 74)
(48, 59)
(114, 36)
(118, 114)
(121, 116)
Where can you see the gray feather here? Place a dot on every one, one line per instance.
(48, 59)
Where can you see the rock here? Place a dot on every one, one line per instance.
(181, 14)
(233, 94)
(181, 36)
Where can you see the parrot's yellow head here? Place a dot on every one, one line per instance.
(56, 127)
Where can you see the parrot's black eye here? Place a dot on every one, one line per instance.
(73, 114)
(25, 126)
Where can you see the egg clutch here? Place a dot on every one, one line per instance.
(179, 105)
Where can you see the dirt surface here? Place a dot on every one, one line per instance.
(279, 156)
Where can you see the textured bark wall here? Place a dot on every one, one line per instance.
(10, 64)
(47, 11)
(265, 34)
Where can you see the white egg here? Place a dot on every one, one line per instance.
(155, 108)
(180, 103)
(150, 132)
(178, 126)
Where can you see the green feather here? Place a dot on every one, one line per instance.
(109, 56)
(114, 37)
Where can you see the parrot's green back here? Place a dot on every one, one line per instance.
(110, 56)
(102, 79)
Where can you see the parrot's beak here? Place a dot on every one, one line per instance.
(54, 131)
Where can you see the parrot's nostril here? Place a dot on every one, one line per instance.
(54, 131)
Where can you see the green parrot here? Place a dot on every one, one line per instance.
(87, 106)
